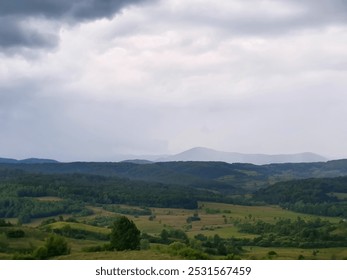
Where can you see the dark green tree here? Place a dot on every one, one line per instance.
(125, 235)
(164, 235)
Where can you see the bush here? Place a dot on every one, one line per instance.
(3, 223)
(3, 242)
(15, 233)
(55, 246)
(144, 244)
(41, 253)
(96, 248)
(182, 250)
(272, 253)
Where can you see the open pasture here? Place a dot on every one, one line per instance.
(216, 218)
(211, 219)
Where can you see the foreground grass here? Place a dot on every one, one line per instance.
(294, 253)
(124, 255)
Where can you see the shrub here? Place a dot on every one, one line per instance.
(15, 233)
(54, 246)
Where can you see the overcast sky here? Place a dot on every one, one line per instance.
(92, 79)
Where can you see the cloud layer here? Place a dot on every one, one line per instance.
(17, 30)
(79, 83)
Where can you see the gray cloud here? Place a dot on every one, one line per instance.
(265, 17)
(333, 10)
(317, 13)
(15, 33)
(72, 9)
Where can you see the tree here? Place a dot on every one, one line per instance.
(125, 235)
(164, 235)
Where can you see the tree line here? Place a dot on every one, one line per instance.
(314, 196)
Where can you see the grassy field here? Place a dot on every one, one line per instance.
(127, 255)
(215, 218)
(295, 253)
(265, 213)
(79, 226)
(340, 196)
(48, 198)
(250, 253)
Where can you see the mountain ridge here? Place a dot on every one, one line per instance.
(201, 154)
(27, 160)
(206, 154)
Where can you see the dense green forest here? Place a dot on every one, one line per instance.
(298, 233)
(320, 196)
(79, 202)
(18, 191)
(235, 177)
(171, 184)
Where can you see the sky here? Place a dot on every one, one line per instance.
(95, 79)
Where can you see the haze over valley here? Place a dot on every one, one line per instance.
(202, 154)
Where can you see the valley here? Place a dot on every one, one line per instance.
(183, 210)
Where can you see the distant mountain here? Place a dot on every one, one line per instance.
(138, 161)
(205, 154)
(38, 160)
(198, 154)
(27, 161)
(8, 160)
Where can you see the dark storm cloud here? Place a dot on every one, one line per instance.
(14, 33)
(72, 9)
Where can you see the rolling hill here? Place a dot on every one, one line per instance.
(208, 175)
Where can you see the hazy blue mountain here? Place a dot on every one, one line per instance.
(27, 161)
(8, 160)
(205, 154)
(199, 154)
(138, 161)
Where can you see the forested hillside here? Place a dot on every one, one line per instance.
(18, 191)
(210, 175)
(321, 196)
(169, 184)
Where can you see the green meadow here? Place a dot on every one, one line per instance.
(214, 219)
